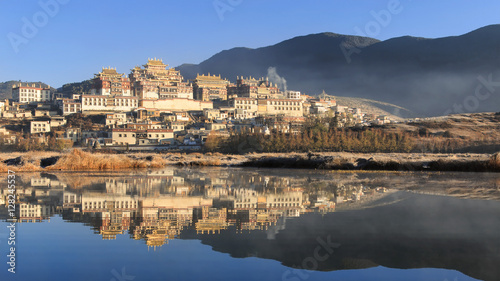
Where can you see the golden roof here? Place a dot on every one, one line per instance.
(109, 72)
(209, 77)
(156, 62)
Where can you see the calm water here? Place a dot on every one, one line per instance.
(253, 224)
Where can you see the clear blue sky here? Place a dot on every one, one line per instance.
(80, 37)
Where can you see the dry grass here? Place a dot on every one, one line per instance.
(4, 168)
(30, 167)
(79, 160)
(495, 161)
(207, 162)
(157, 162)
(30, 163)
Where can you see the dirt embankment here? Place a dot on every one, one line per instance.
(78, 160)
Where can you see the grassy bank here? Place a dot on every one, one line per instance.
(383, 162)
(78, 160)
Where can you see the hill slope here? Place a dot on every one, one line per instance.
(427, 76)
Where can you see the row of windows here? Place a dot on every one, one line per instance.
(26, 206)
(150, 135)
(246, 102)
(275, 200)
(33, 99)
(102, 102)
(120, 102)
(91, 100)
(270, 205)
(243, 107)
(284, 205)
(68, 106)
(286, 108)
(243, 200)
(283, 103)
(35, 95)
(166, 90)
(92, 103)
(285, 199)
(120, 204)
(29, 90)
(68, 199)
(39, 130)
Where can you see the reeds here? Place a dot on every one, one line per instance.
(28, 163)
(78, 160)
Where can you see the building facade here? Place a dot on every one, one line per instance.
(108, 103)
(155, 80)
(210, 87)
(124, 136)
(37, 127)
(176, 104)
(108, 82)
(70, 106)
(286, 107)
(253, 88)
(31, 94)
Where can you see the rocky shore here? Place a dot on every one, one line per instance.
(78, 160)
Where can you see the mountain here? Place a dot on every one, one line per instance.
(6, 87)
(430, 77)
(76, 88)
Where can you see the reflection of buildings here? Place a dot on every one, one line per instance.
(26, 212)
(210, 220)
(113, 211)
(114, 220)
(163, 218)
(157, 206)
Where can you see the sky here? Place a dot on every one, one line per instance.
(64, 41)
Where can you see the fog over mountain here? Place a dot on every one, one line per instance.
(428, 76)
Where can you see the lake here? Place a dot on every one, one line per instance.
(251, 224)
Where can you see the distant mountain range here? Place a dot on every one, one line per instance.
(427, 76)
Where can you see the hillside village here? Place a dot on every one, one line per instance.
(154, 108)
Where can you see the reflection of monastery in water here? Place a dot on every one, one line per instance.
(158, 206)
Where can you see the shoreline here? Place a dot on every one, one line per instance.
(79, 160)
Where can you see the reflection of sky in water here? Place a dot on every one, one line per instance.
(58, 250)
(293, 207)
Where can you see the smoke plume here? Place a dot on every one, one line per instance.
(273, 76)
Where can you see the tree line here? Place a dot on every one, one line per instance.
(28, 143)
(318, 136)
